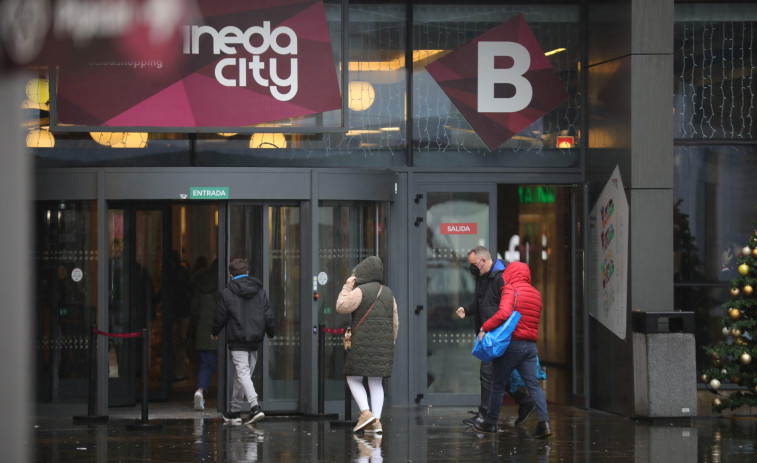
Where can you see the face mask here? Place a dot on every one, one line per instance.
(474, 270)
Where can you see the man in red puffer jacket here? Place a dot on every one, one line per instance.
(517, 293)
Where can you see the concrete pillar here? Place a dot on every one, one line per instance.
(630, 125)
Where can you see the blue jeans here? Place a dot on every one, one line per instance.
(208, 361)
(521, 356)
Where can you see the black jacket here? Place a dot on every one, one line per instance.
(485, 301)
(244, 310)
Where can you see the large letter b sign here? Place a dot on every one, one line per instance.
(488, 75)
(501, 82)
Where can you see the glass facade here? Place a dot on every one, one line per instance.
(378, 125)
(715, 157)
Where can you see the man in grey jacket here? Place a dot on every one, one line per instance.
(244, 311)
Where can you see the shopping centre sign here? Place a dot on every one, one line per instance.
(180, 63)
(501, 82)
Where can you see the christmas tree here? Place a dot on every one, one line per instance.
(733, 356)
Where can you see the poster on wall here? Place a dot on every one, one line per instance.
(501, 82)
(609, 258)
(233, 64)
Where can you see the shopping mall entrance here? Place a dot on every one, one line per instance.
(123, 264)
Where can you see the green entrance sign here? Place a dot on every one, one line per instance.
(209, 192)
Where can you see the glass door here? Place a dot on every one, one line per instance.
(137, 249)
(348, 232)
(454, 220)
(268, 236)
(66, 297)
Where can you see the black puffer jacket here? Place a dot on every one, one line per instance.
(244, 310)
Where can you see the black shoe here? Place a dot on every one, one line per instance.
(469, 421)
(523, 412)
(542, 430)
(256, 414)
(482, 426)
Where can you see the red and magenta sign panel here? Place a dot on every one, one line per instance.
(239, 63)
(501, 82)
(459, 228)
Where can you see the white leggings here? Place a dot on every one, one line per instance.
(361, 397)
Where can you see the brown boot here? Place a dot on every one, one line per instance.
(365, 418)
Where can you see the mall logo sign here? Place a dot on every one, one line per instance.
(226, 41)
(501, 82)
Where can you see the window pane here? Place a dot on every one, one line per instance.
(714, 216)
(715, 92)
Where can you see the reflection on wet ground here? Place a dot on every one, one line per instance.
(410, 435)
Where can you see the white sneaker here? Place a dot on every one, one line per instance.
(199, 400)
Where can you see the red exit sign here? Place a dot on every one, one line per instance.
(459, 228)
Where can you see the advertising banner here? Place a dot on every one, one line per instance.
(609, 257)
(233, 64)
(501, 82)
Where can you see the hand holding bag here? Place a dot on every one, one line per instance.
(347, 337)
(495, 342)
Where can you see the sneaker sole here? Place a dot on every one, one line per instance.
(255, 418)
(360, 427)
(232, 420)
(199, 403)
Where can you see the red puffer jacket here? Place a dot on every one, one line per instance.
(517, 278)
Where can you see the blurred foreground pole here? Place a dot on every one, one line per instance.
(15, 276)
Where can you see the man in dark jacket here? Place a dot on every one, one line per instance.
(244, 310)
(487, 273)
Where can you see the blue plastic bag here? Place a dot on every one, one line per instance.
(494, 343)
(516, 381)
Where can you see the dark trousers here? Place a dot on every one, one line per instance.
(486, 374)
(521, 356)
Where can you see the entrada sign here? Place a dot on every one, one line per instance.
(501, 82)
(209, 192)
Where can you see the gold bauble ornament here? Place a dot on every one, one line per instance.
(717, 402)
(754, 253)
(740, 341)
(734, 313)
(704, 378)
(755, 389)
(715, 384)
(716, 362)
(735, 379)
(745, 358)
(726, 331)
(748, 290)
(743, 269)
(735, 292)
(735, 332)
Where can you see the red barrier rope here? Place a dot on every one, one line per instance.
(135, 334)
(333, 330)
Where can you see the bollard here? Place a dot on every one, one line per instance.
(143, 423)
(91, 397)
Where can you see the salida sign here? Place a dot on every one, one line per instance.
(238, 64)
(501, 82)
(459, 228)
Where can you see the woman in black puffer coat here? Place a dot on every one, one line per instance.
(372, 352)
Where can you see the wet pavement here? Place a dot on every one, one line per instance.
(417, 434)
